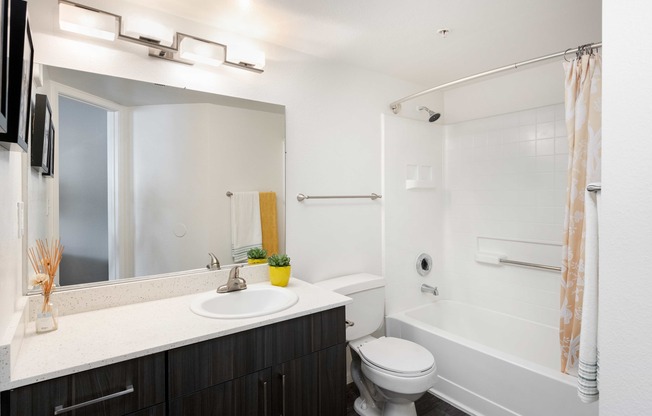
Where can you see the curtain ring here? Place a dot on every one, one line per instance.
(565, 52)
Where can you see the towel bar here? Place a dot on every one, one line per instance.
(594, 187)
(373, 197)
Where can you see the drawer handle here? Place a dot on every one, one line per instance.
(60, 409)
(283, 395)
(265, 397)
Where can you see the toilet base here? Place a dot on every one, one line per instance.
(364, 409)
(389, 409)
(399, 409)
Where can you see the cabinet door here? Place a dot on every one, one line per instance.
(250, 395)
(312, 385)
(296, 387)
(332, 381)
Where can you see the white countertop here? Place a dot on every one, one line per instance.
(98, 338)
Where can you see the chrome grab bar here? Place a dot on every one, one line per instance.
(533, 265)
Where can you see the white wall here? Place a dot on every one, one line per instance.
(333, 133)
(626, 225)
(412, 219)
(520, 89)
(179, 179)
(11, 178)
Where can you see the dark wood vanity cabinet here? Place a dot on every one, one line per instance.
(294, 367)
(118, 389)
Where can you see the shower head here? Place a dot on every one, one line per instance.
(433, 116)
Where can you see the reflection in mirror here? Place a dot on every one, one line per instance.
(143, 171)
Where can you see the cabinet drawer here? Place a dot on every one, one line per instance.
(307, 334)
(205, 364)
(114, 390)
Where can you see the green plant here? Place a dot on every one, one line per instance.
(278, 260)
(256, 253)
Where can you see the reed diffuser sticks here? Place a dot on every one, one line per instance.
(45, 259)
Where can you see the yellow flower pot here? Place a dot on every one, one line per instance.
(279, 276)
(256, 261)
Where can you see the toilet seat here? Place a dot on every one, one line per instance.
(397, 357)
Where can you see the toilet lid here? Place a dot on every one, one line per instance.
(397, 355)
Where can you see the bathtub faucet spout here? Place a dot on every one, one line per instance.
(429, 289)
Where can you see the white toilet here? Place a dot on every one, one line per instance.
(391, 373)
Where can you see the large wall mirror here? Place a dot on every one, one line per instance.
(142, 172)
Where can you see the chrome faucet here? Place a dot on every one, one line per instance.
(429, 289)
(214, 264)
(234, 283)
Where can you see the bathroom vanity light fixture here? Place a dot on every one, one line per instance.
(87, 21)
(146, 30)
(246, 57)
(201, 51)
(163, 42)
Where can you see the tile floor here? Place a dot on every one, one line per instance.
(428, 405)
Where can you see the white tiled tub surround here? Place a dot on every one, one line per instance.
(506, 178)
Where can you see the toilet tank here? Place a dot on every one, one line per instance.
(367, 310)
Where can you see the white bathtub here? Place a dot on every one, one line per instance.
(491, 363)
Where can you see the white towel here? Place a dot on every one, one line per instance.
(245, 224)
(588, 370)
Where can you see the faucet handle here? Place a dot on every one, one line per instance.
(234, 272)
(214, 263)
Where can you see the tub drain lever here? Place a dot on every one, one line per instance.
(429, 289)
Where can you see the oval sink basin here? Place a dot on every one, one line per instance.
(256, 300)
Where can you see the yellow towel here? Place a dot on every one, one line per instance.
(268, 222)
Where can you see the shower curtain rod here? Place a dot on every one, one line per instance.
(396, 105)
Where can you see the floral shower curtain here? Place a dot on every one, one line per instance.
(583, 123)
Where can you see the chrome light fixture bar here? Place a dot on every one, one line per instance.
(162, 42)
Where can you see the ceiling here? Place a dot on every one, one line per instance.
(399, 38)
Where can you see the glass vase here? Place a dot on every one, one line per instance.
(46, 319)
